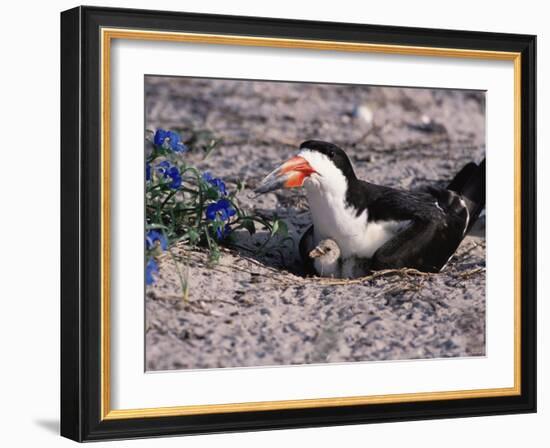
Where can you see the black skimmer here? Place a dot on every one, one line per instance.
(390, 228)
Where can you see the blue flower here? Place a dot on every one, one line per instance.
(174, 174)
(223, 232)
(151, 268)
(175, 143)
(154, 236)
(160, 137)
(211, 211)
(169, 140)
(215, 182)
(171, 172)
(147, 171)
(222, 209)
(163, 166)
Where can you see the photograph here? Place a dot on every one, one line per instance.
(274, 223)
(298, 223)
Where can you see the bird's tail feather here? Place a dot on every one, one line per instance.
(470, 184)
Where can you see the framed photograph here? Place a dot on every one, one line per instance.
(276, 224)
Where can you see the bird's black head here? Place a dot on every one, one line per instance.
(334, 153)
(318, 165)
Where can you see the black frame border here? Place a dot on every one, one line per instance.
(81, 223)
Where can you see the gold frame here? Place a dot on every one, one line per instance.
(107, 35)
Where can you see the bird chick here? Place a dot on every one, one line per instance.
(328, 261)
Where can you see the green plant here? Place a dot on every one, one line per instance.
(184, 205)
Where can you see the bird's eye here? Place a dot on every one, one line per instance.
(331, 154)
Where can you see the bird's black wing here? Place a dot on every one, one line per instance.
(437, 222)
(305, 246)
(418, 246)
(391, 204)
(399, 205)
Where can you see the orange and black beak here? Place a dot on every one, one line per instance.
(290, 174)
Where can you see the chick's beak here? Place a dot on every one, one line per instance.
(317, 252)
(290, 174)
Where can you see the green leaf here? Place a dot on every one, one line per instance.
(248, 224)
(155, 226)
(211, 193)
(240, 185)
(194, 236)
(279, 228)
(210, 147)
(214, 255)
(274, 228)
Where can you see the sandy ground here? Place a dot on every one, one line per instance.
(258, 309)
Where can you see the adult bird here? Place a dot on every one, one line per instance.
(389, 227)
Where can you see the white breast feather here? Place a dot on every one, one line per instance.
(327, 269)
(333, 218)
